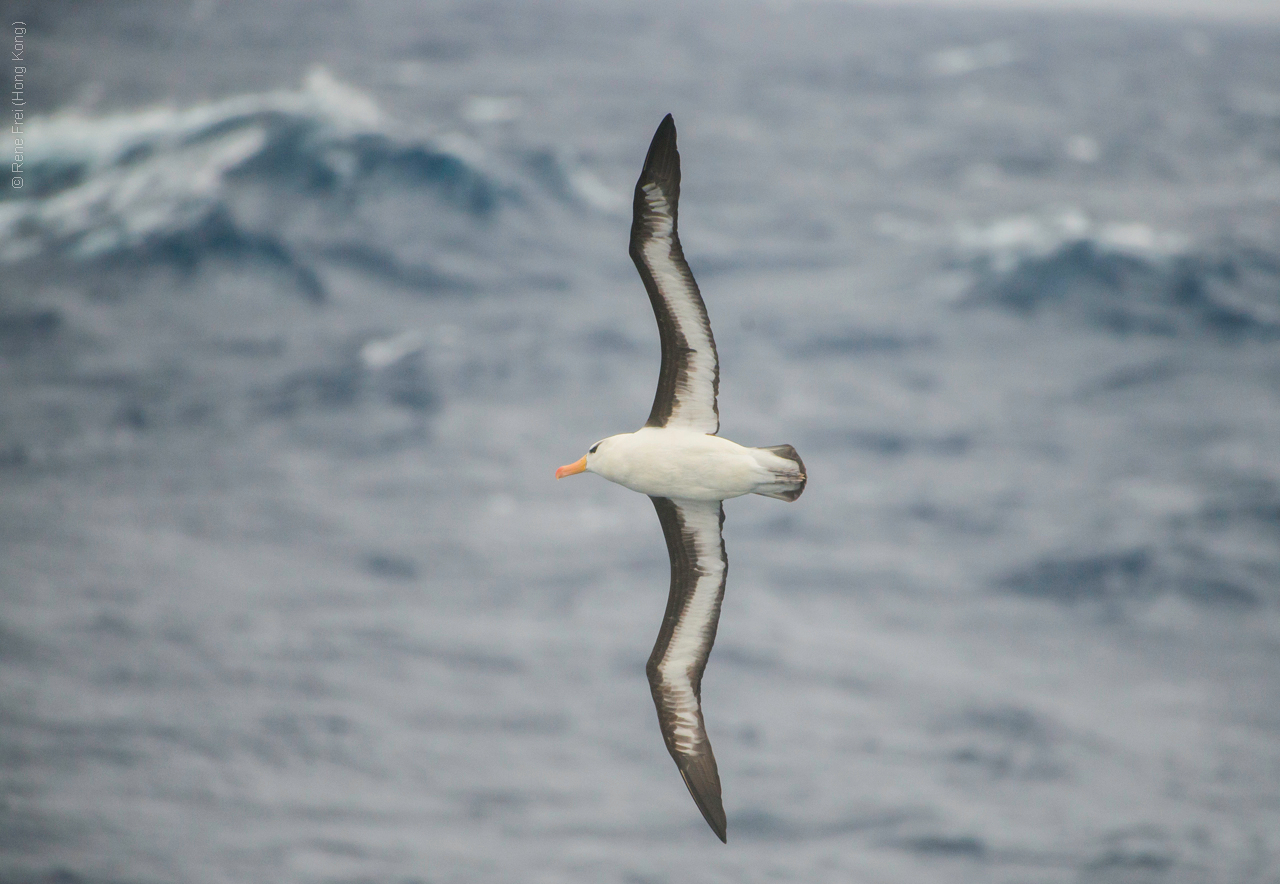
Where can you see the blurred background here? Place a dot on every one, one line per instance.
(301, 304)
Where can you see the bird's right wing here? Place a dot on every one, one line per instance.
(698, 569)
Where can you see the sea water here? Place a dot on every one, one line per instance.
(303, 304)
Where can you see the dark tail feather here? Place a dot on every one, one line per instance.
(789, 476)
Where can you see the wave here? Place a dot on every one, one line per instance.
(1124, 278)
(1134, 575)
(241, 176)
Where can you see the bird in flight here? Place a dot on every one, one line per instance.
(687, 470)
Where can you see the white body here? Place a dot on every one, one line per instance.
(685, 464)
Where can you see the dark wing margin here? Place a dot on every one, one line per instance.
(690, 375)
(698, 569)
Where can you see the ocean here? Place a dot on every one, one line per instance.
(302, 304)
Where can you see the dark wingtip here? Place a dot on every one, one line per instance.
(703, 781)
(662, 162)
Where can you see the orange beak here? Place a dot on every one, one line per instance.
(578, 466)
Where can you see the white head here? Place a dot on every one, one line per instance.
(598, 459)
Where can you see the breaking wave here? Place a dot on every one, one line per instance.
(241, 176)
(1124, 278)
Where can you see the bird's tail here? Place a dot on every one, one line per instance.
(788, 472)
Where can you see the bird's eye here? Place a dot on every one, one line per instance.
(593, 448)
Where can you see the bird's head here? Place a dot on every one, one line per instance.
(589, 461)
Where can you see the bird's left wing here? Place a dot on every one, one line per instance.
(698, 569)
(690, 375)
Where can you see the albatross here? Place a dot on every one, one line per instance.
(687, 470)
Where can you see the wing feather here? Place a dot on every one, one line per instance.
(699, 567)
(689, 379)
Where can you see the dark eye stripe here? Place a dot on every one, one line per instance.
(593, 448)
